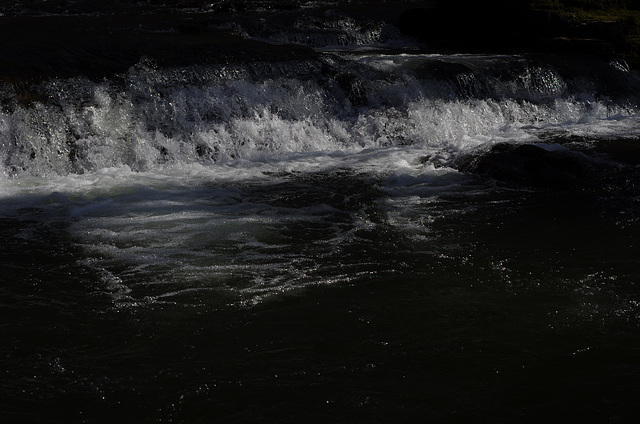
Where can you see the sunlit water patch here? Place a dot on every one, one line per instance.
(229, 234)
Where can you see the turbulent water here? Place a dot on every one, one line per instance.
(375, 233)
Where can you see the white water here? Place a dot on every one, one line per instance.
(154, 118)
(185, 181)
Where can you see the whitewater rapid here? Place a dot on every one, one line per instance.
(153, 118)
(238, 182)
(291, 211)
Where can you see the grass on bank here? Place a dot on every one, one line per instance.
(615, 21)
(585, 11)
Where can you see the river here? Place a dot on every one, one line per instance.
(351, 228)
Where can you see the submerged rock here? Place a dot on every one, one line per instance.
(532, 166)
(605, 166)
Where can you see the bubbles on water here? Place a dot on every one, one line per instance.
(606, 299)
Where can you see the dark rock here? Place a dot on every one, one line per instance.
(534, 167)
(352, 87)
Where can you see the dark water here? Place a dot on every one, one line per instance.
(367, 232)
(526, 316)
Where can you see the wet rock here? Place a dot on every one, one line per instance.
(353, 87)
(532, 166)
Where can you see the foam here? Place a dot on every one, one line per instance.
(240, 186)
(160, 118)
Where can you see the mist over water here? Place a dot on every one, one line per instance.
(371, 232)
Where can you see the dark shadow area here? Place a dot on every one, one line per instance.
(608, 29)
(98, 47)
(96, 39)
